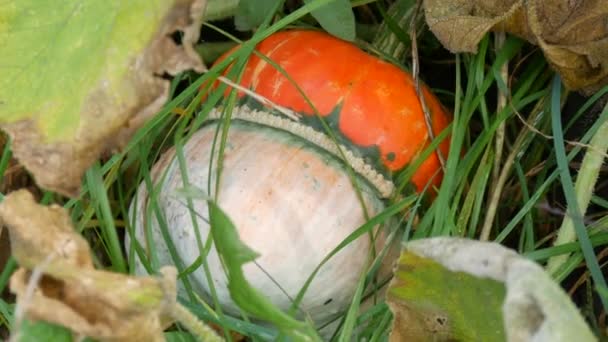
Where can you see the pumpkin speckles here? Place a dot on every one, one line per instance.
(378, 103)
(383, 92)
(292, 215)
(277, 86)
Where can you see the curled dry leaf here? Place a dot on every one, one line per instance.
(103, 305)
(452, 289)
(573, 34)
(81, 86)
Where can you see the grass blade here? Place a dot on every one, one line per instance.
(585, 183)
(568, 187)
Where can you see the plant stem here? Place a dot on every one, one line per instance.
(390, 38)
(585, 182)
(415, 69)
(500, 139)
(501, 103)
(201, 331)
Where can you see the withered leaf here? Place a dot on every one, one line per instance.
(81, 86)
(71, 292)
(452, 289)
(573, 34)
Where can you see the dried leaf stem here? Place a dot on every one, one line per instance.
(415, 69)
(506, 168)
(500, 139)
(21, 307)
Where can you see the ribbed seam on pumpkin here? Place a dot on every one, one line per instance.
(384, 186)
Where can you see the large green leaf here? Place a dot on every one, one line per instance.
(337, 18)
(433, 301)
(78, 77)
(251, 14)
(452, 289)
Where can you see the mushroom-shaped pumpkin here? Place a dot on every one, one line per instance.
(285, 182)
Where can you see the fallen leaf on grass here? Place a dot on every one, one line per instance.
(452, 289)
(79, 77)
(572, 33)
(103, 305)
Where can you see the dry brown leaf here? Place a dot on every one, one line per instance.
(104, 95)
(573, 34)
(103, 305)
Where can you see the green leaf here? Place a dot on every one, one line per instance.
(6, 314)
(336, 17)
(79, 77)
(234, 253)
(34, 331)
(453, 289)
(220, 9)
(444, 304)
(179, 336)
(587, 176)
(251, 13)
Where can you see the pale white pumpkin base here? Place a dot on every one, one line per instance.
(290, 203)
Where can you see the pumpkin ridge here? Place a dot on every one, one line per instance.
(384, 186)
(370, 154)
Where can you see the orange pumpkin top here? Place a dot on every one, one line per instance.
(374, 103)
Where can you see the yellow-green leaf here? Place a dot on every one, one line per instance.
(453, 289)
(78, 77)
(431, 301)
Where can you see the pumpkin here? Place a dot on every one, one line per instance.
(371, 104)
(285, 183)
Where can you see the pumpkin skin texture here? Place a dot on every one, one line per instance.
(287, 192)
(374, 102)
(290, 202)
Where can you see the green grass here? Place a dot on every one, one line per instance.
(478, 189)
